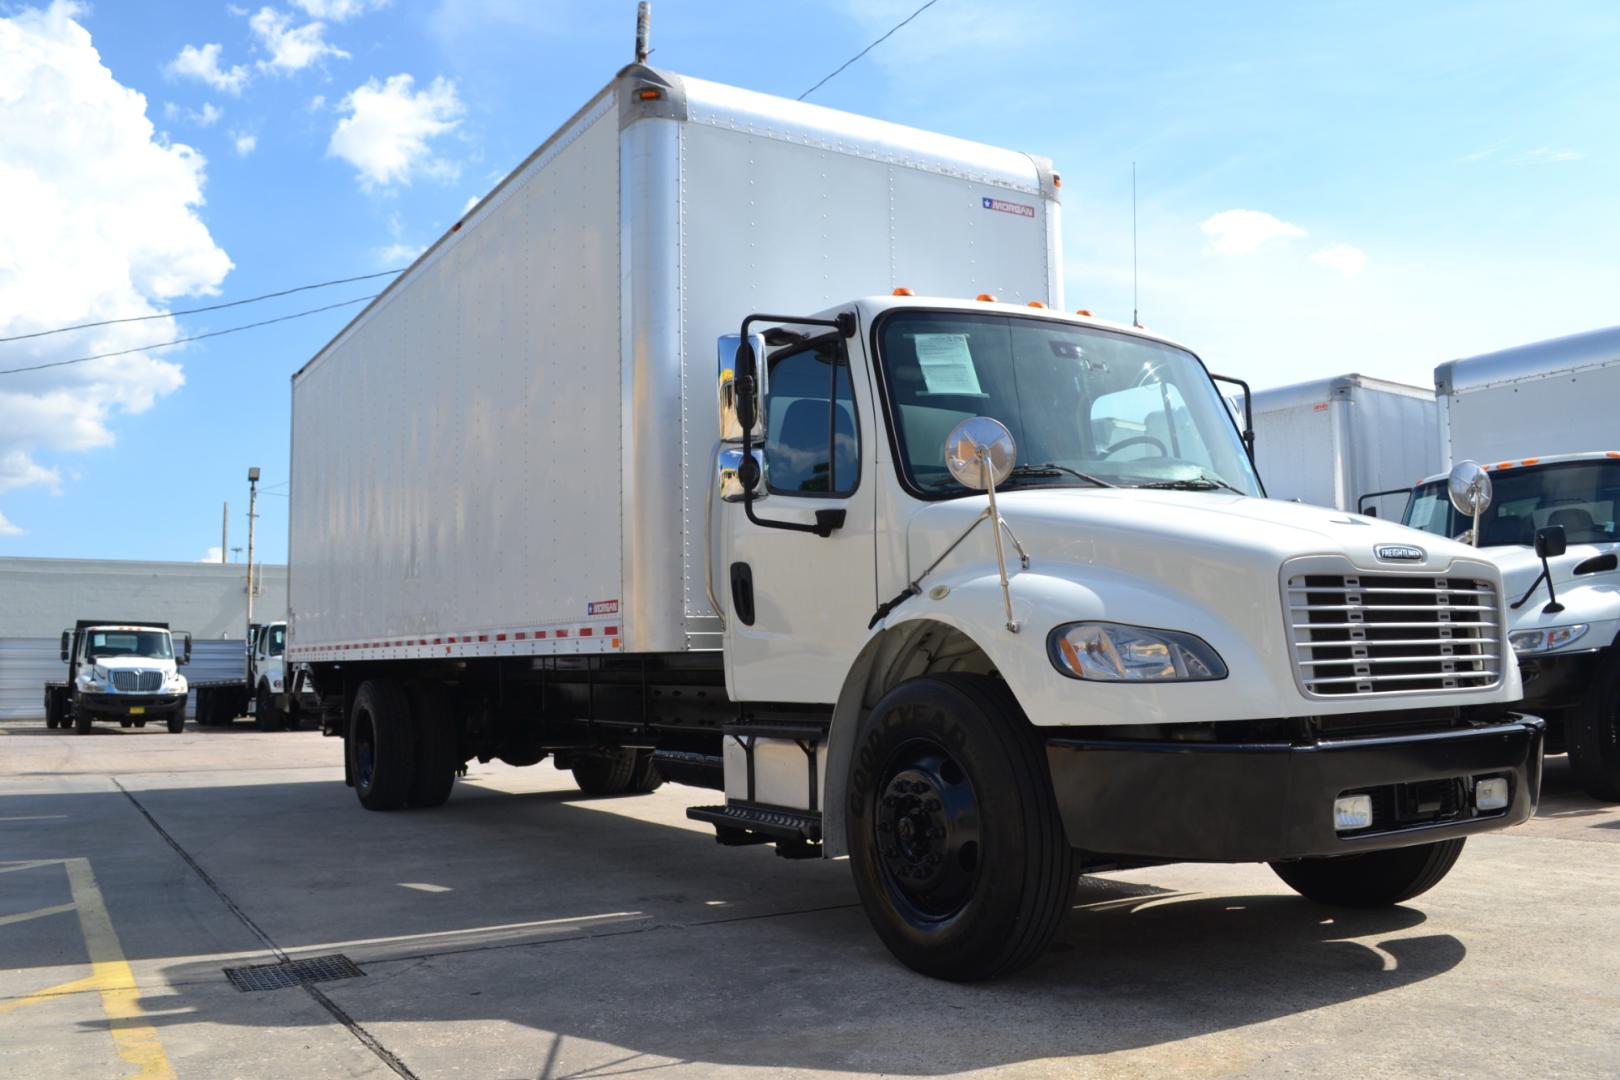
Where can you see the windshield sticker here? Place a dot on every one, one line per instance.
(947, 364)
(1008, 207)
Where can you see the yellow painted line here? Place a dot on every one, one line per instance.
(8, 920)
(59, 990)
(137, 1043)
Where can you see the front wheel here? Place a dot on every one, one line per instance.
(1376, 879)
(265, 714)
(1593, 733)
(81, 720)
(954, 838)
(177, 721)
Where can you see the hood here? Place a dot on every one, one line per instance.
(1591, 598)
(135, 663)
(1168, 534)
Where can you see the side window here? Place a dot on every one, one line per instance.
(812, 445)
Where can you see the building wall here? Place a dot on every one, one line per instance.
(39, 598)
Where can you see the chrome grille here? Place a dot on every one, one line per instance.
(138, 682)
(1359, 633)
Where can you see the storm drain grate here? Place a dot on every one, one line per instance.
(293, 973)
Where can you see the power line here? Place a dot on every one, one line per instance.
(182, 341)
(197, 310)
(868, 49)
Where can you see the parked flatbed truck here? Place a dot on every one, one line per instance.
(119, 670)
(277, 695)
(978, 593)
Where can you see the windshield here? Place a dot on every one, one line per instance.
(278, 640)
(1113, 407)
(154, 644)
(1582, 496)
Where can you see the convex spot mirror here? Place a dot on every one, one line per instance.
(1551, 542)
(979, 452)
(1470, 488)
(731, 362)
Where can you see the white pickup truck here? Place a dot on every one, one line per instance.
(979, 593)
(124, 671)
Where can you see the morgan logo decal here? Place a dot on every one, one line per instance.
(1008, 207)
(602, 607)
(1399, 553)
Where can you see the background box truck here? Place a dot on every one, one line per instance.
(1543, 420)
(974, 592)
(1349, 442)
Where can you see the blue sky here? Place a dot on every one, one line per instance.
(1323, 188)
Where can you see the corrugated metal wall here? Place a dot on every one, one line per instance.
(27, 664)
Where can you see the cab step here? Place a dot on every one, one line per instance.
(796, 833)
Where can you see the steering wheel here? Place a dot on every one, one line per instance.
(1133, 441)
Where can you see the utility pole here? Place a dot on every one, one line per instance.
(236, 553)
(253, 502)
(224, 532)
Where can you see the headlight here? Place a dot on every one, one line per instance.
(1110, 652)
(1535, 641)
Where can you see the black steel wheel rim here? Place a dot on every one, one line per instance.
(927, 831)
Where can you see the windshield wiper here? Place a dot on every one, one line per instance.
(1201, 482)
(1037, 472)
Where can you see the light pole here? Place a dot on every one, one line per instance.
(253, 501)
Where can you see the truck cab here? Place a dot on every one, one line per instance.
(1552, 524)
(129, 672)
(280, 692)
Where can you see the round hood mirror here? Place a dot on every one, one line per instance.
(979, 452)
(1470, 488)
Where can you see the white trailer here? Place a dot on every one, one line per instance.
(1542, 419)
(975, 592)
(1549, 397)
(1349, 442)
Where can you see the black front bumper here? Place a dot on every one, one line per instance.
(1557, 680)
(1263, 801)
(122, 705)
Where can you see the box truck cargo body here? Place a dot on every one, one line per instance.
(1541, 418)
(660, 463)
(1349, 442)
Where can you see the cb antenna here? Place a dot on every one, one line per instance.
(1135, 314)
(643, 25)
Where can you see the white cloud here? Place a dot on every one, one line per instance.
(472, 201)
(7, 528)
(387, 126)
(203, 64)
(338, 10)
(116, 240)
(1244, 232)
(245, 144)
(1347, 260)
(213, 555)
(207, 116)
(1547, 153)
(290, 48)
(399, 254)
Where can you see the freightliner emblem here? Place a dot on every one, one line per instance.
(1399, 553)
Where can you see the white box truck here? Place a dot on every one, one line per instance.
(975, 592)
(1542, 420)
(1349, 442)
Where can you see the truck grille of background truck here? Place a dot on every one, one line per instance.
(1361, 633)
(140, 682)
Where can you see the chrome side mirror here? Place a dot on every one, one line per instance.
(731, 427)
(1469, 487)
(727, 467)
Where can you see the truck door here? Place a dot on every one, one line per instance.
(797, 603)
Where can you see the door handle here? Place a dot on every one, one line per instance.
(742, 592)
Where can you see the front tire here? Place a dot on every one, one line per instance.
(380, 745)
(177, 720)
(1592, 731)
(1375, 879)
(81, 719)
(265, 714)
(955, 842)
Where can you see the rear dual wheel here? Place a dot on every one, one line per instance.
(402, 745)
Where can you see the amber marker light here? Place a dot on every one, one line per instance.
(649, 94)
(902, 291)
(986, 297)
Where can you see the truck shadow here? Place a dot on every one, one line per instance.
(561, 923)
